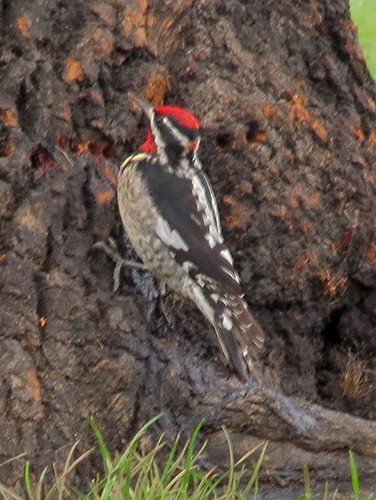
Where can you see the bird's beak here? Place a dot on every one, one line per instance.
(144, 105)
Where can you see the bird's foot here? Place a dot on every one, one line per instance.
(110, 248)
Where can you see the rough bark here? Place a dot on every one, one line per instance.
(289, 115)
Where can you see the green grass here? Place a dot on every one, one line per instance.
(326, 495)
(163, 473)
(363, 13)
(354, 476)
(137, 473)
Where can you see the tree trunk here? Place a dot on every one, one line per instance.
(288, 110)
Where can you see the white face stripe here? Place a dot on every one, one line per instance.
(160, 144)
(175, 132)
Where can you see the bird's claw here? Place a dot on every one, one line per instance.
(110, 248)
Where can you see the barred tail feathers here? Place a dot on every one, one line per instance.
(238, 333)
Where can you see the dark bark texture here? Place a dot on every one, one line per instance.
(288, 110)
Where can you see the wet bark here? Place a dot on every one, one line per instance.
(288, 110)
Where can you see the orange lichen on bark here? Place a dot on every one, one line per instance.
(319, 129)
(82, 147)
(104, 197)
(351, 25)
(63, 141)
(74, 71)
(23, 25)
(281, 212)
(239, 215)
(228, 200)
(144, 5)
(299, 112)
(243, 187)
(313, 200)
(135, 20)
(372, 139)
(294, 201)
(359, 134)
(158, 85)
(354, 49)
(371, 255)
(110, 175)
(8, 150)
(299, 79)
(42, 322)
(9, 117)
(309, 200)
(307, 227)
(269, 111)
(371, 103)
(332, 285)
(260, 137)
(96, 148)
(33, 386)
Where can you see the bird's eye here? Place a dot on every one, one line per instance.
(159, 120)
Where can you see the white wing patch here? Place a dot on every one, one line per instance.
(209, 195)
(169, 236)
(227, 322)
(232, 273)
(188, 266)
(204, 306)
(212, 242)
(209, 217)
(225, 253)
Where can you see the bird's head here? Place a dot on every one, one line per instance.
(171, 127)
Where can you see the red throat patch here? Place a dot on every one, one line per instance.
(149, 145)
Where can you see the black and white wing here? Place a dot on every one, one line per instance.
(188, 224)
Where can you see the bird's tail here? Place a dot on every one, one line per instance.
(239, 335)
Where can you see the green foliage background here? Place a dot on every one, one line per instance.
(363, 13)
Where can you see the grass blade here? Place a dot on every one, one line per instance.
(104, 451)
(27, 480)
(354, 476)
(307, 483)
(189, 459)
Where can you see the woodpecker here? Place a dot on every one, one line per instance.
(170, 214)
